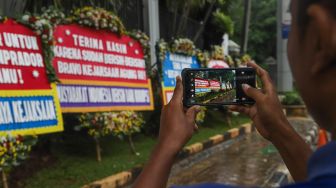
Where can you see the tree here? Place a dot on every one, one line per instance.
(262, 39)
(223, 22)
(262, 35)
(184, 7)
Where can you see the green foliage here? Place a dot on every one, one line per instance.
(119, 124)
(223, 22)
(235, 9)
(262, 31)
(292, 98)
(262, 35)
(201, 116)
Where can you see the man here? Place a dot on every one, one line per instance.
(312, 56)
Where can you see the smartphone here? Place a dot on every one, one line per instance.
(217, 87)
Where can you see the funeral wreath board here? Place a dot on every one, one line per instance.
(174, 57)
(172, 67)
(28, 102)
(100, 71)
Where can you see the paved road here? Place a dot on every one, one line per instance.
(248, 161)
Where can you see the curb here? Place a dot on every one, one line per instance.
(127, 177)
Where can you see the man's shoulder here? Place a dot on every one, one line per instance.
(310, 184)
(313, 184)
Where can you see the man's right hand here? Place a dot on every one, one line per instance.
(266, 113)
(272, 124)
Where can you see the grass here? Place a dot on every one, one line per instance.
(76, 164)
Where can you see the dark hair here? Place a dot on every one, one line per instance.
(303, 18)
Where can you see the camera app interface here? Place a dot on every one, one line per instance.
(220, 86)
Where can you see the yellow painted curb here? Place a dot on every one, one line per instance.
(217, 139)
(114, 181)
(247, 127)
(197, 147)
(234, 132)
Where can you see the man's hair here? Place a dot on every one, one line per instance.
(303, 18)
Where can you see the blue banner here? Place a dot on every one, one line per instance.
(17, 113)
(174, 64)
(102, 98)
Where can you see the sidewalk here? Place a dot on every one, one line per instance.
(248, 161)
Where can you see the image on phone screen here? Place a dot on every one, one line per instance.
(217, 86)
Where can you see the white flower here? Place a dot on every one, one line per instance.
(25, 18)
(44, 36)
(38, 23)
(43, 21)
(3, 139)
(89, 14)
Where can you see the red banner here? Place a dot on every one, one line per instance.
(204, 83)
(88, 54)
(100, 71)
(21, 60)
(28, 103)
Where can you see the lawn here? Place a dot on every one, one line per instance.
(76, 164)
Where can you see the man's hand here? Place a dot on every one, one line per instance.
(266, 113)
(272, 124)
(177, 125)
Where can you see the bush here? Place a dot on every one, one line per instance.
(292, 98)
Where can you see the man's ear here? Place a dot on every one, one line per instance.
(325, 26)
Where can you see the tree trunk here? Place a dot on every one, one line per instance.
(175, 19)
(4, 179)
(98, 149)
(205, 20)
(130, 142)
(245, 28)
(228, 118)
(184, 18)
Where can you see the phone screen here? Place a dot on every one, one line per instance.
(217, 86)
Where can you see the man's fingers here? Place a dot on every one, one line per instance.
(252, 92)
(178, 91)
(192, 113)
(241, 109)
(267, 82)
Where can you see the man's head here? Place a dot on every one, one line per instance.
(312, 57)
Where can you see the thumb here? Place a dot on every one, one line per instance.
(192, 113)
(178, 91)
(252, 92)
